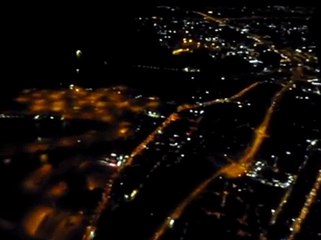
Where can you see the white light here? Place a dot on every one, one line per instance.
(119, 163)
(314, 142)
(78, 53)
(92, 234)
(171, 223)
(133, 194)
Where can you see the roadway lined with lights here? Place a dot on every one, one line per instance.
(310, 199)
(233, 170)
(103, 204)
(286, 54)
(236, 168)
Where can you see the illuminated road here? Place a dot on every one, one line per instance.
(236, 168)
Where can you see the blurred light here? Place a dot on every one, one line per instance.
(171, 223)
(133, 194)
(78, 53)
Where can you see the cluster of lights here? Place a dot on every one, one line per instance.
(115, 160)
(258, 173)
(103, 104)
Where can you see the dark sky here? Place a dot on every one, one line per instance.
(238, 2)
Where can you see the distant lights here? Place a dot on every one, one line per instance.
(312, 142)
(133, 194)
(92, 234)
(78, 53)
(171, 222)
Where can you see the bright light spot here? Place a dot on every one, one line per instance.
(171, 223)
(123, 130)
(78, 53)
(119, 163)
(173, 144)
(7, 161)
(314, 142)
(133, 194)
(112, 165)
(180, 50)
(92, 234)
